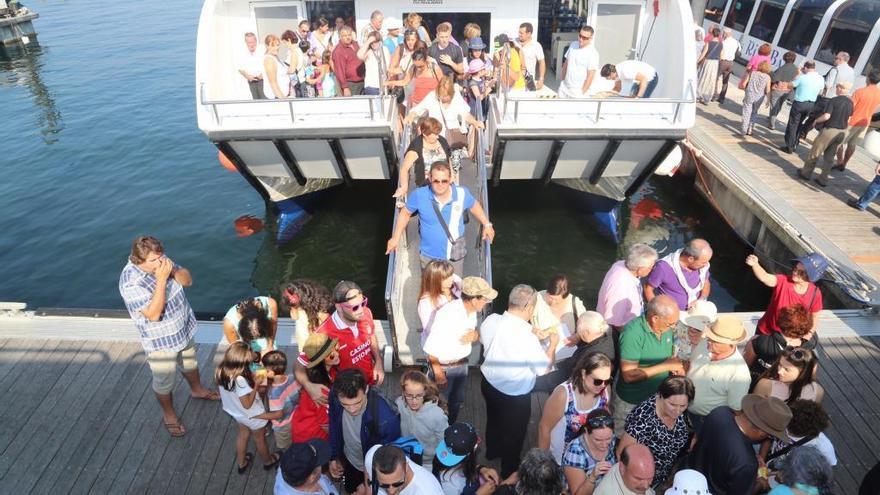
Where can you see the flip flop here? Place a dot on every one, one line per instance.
(175, 429)
(247, 463)
(211, 395)
(276, 457)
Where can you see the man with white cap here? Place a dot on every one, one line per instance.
(450, 342)
(393, 39)
(720, 374)
(724, 450)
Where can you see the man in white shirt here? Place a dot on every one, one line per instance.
(840, 73)
(453, 333)
(580, 66)
(532, 53)
(729, 47)
(392, 473)
(633, 78)
(513, 359)
(250, 65)
(720, 374)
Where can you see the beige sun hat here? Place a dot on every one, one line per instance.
(702, 313)
(727, 329)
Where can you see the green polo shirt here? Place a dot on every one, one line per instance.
(639, 343)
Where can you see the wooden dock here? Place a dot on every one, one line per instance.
(765, 178)
(80, 416)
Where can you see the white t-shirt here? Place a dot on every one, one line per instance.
(452, 117)
(451, 322)
(376, 66)
(628, 70)
(282, 488)
(579, 62)
(532, 53)
(423, 481)
(453, 481)
(231, 400)
(513, 354)
(728, 49)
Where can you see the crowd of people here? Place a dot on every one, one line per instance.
(401, 59)
(826, 103)
(649, 391)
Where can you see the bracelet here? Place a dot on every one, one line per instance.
(487, 224)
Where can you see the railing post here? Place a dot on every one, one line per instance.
(216, 115)
(516, 112)
(675, 116)
(598, 111)
(290, 104)
(372, 110)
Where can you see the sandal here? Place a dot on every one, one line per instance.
(247, 463)
(175, 429)
(211, 395)
(276, 458)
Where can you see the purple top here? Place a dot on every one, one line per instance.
(664, 281)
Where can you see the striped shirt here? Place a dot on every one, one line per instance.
(177, 325)
(284, 397)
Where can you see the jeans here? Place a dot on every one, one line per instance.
(256, 88)
(870, 193)
(371, 91)
(652, 84)
(456, 388)
(800, 110)
(777, 99)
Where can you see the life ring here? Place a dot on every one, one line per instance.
(226, 162)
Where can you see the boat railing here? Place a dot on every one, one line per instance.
(483, 246)
(514, 109)
(301, 112)
(393, 290)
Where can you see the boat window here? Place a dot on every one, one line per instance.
(275, 18)
(330, 10)
(458, 19)
(738, 14)
(767, 19)
(803, 24)
(874, 61)
(714, 10)
(849, 30)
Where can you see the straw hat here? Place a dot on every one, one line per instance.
(317, 347)
(701, 314)
(769, 414)
(727, 329)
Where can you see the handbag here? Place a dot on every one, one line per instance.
(459, 246)
(530, 80)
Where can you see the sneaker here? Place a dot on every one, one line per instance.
(802, 175)
(821, 182)
(854, 203)
(839, 168)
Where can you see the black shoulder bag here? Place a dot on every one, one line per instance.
(459, 246)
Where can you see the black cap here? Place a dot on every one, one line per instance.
(300, 459)
(459, 440)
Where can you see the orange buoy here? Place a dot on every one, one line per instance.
(246, 225)
(226, 162)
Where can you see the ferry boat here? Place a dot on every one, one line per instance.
(602, 149)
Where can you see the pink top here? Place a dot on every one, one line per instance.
(620, 298)
(756, 60)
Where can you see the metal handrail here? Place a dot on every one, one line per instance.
(482, 180)
(598, 101)
(392, 257)
(372, 100)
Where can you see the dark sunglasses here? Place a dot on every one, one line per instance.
(396, 484)
(439, 181)
(585, 37)
(355, 307)
(600, 422)
(598, 383)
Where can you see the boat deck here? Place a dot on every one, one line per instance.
(818, 218)
(82, 417)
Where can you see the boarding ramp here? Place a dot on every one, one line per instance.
(404, 267)
(288, 148)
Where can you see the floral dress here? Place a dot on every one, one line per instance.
(646, 427)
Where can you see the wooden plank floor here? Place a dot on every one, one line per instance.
(856, 233)
(81, 418)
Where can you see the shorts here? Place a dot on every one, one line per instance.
(163, 365)
(622, 409)
(855, 135)
(282, 436)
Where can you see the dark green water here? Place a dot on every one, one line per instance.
(100, 145)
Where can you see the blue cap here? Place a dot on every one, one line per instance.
(459, 440)
(814, 264)
(476, 43)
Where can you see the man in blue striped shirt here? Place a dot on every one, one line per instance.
(152, 287)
